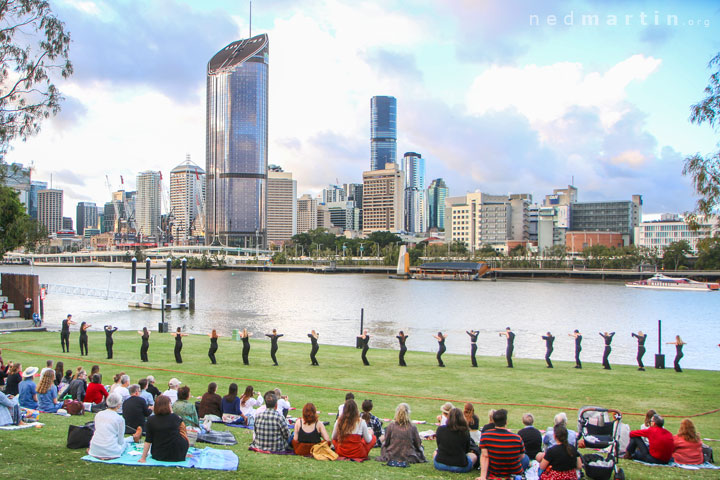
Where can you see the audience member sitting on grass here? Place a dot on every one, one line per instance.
(531, 436)
(453, 452)
(372, 421)
(444, 411)
(77, 387)
(13, 380)
(109, 440)
(165, 435)
(172, 391)
(184, 409)
(27, 392)
(211, 402)
(491, 424)
(59, 366)
(271, 430)
(248, 403)
(144, 393)
(66, 379)
(473, 421)
(549, 437)
(47, 393)
(151, 388)
(661, 443)
(135, 409)
(351, 436)
(561, 461)
(402, 442)
(95, 370)
(348, 396)
(648, 419)
(9, 411)
(308, 431)
(687, 448)
(232, 405)
(116, 382)
(502, 452)
(96, 392)
(124, 388)
(283, 403)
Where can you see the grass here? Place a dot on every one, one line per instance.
(29, 453)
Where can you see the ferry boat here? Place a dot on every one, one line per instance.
(664, 282)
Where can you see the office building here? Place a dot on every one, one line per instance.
(553, 218)
(671, 228)
(67, 225)
(282, 206)
(354, 193)
(323, 216)
(307, 213)
(333, 193)
(383, 199)
(187, 201)
(85, 217)
(148, 203)
(437, 192)
(344, 215)
(50, 210)
(237, 144)
(383, 132)
(413, 166)
(35, 187)
(620, 216)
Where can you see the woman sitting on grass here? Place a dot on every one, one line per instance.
(14, 378)
(9, 411)
(453, 445)
(184, 409)
(211, 402)
(373, 422)
(688, 446)
(165, 436)
(402, 442)
(444, 412)
(561, 461)
(351, 436)
(96, 392)
(47, 393)
(473, 422)
(27, 392)
(109, 440)
(232, 405)
(117, 379)
(308, 431)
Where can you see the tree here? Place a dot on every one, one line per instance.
(676, 254)
(13, 221)
(708, 254)
(705, 171)
(33, 48)
(384, 238)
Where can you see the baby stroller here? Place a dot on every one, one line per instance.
(600, 428)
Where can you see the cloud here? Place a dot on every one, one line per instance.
(69, 177)
(71, 113)
(401, 65)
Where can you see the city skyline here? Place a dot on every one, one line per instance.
(480, 89)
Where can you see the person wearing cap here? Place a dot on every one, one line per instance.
(27, 396)
(171, 392)
(444, 411)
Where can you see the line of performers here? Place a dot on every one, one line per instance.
(364, 341)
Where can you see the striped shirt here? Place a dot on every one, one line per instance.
(505, 449)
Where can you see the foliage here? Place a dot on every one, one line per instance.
(13, 220)
(33, 47)
(676, 254)
(383, 238)
(486, 251)
(518, 251)
(705, 170)
(708, 254)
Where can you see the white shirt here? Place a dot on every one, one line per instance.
(123, 392)
(250, 404)
(108, 440)
(361, 428)
(172, 394)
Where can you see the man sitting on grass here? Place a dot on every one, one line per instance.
(271, 429)
(661, 443)
(502, 452)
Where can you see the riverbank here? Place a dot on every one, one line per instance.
(528, 387)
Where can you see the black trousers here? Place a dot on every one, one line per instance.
(677, 362)
(577, 357)
(508, 355)
(548, 352)
(640, 354)
(313, 352)
(606, 357)
(401, 358)
(211, 354)
(143, 351)
(639, 451)
(364, 355)
(108, 347)
(178, 357)
(473, 351)
(441, 350)
(273, 351)
(245, 355)
(83, 346)
(65, 341)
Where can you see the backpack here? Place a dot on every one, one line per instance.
(322, 451)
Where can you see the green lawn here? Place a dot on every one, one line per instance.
(29, 453)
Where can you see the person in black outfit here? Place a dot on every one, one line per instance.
(510, 346)
(549, 339)
(606, 354)
(641, 337)
(441, 347)
(365, 340)
(314, 349)
(151, 388)
(84, 338)
(213, 346)
(274, 345)
(178, 344)
(163, 439)
(402, 338)
(28, 308)
(578, 348)
(65, 334)
(473, 345)
(245, 337)
(145, 335)
(678, 351)
(531, 436)
(109, 330)
(135, 409)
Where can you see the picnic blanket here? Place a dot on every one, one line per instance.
(707, 465)
(286, 452)
(20, 427)
(217, 438)
(237, 425)
(205, 459)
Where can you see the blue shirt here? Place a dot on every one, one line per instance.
(6, 409)
(27, 391)
(45, 400)
(148, 397)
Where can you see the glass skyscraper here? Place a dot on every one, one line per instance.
(413, 166)
(437, 192)
(237, 141)
(383, 132)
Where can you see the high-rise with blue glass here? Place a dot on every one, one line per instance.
(437, 192)
(383, 131)
(413, 166)
(237, 144)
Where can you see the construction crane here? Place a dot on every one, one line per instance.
(116, 226)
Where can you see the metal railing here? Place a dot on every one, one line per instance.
(103, 293)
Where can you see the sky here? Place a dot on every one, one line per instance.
(500, 96)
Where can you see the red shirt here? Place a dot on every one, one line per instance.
(95, 393)
(661, 442)
(687, 453)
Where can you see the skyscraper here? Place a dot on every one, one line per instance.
(383, 132)
(437, 192)
(187, 199)
(237, 141)
(413, 166)
(383, 192)
(307, 213)
(147, 206)
(86, 216)
(50, 209)
(282, 209)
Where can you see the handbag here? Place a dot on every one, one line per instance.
(74, 407)
(322, 451)
(79, 436)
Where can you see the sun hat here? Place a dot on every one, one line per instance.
(446, 407)
(174, 382)
(30, 371)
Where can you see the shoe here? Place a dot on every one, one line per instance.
(549, 366)
(641, 369)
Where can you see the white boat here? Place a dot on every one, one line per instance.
(663, 282)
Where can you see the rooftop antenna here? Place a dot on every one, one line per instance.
(572, 180)
(250, 32)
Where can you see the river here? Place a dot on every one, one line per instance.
(295, 303)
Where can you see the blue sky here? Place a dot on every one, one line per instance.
(493, 94)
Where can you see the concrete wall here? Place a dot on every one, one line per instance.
(17, 287)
